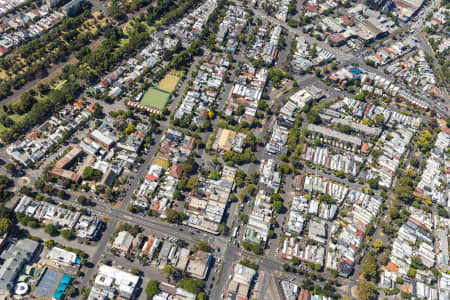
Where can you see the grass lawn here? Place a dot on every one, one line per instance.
(169, 83)
(155, 98)
(59, 84)
(17, 117)
(129, 26)
(161, 162)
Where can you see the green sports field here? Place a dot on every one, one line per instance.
(155, 98)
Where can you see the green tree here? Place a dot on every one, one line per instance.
(116, 11)
(67, 234)
(33, 224)
(241, 195)
(365, 290)
(214, 174)
(277, 206)
(379, 119)
(285, 169)
(192, 285)
(361, 96)
(181, 216)
(202, 246)
(369, 267)
(393, 212)
(387, 227)
(416, 262)
(49, 244)
(135, 271)
(223, 229)
(11, 168)
(308, 284)
(325, 198)
(412, 272)
(378, 245)
(169, 271)
(129, 129)
(442, 212)
(424, 143)
(172, 216)
(152, 288)
(313, 116)
(373, 183)
(5, 225)
(193, 184)
(83, 200)
(88, 172)
(240, 110)
(51, 229)
(254, 247)
(244, 218)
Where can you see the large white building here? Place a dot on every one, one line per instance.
(110, 280)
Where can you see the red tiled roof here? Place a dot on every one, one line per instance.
(3, 50)
(364, 148)
(312, 8)
(104, 83)
(437, 21)
(392, 267)
(78, 104)
(347, 20)
(176, 170)
(91, 107)
(151, 177)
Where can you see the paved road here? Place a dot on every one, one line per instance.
(101, 248)
(229, 252)
(142, 170)
(348, 58)
(55, 69)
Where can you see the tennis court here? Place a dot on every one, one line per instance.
(155, 97)
(47, 285)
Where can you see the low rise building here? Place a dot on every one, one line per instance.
(227, 140)
(105, 134)
(123, 241)
(47, 212)
(291, 291)
(257, 230)
(110, 280)
(330, 133)
(14, 259)
(60, 257)
(269, 177)
(242, 280)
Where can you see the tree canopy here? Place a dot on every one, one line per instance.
(366, 290)
(152, 288)
(192, 285)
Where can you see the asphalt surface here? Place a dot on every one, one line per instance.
(270, 265)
